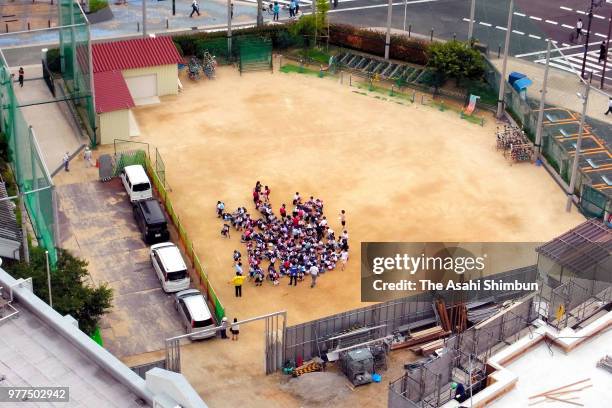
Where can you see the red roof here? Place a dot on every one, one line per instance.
(111, 92)
(133, 54)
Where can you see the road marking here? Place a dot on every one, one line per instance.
(518, 32)
(485, 24)
(580, 12)
(381, 5)
(567, 26)
(599, 17)
(516, 13)
(501, 28)
(601, 35)
(551, 22)
(467, 19)
(535, 36)
(566, 8)
(565, 44)
(535, 18)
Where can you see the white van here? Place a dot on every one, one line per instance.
(136, 183)
(194, 312)
(170, 267)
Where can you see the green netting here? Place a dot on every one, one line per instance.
(160, 168)
(30, 172)
(129, 158)
(75, 61)
(254, 53)
(593, 202)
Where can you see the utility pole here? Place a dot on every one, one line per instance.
(174, 7)
(603, 72)
(388, 37)
(48, 278)
(538, 141)
(229, 28)
(586, 43)
(472, 15)
(405, 10)
(572, 186)
(502, 81)
(144, 18)
(259, 13)
(24, 229)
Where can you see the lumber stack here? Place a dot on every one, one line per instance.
(566, 394)
(428, 348)
(422, 336)
(444, 320)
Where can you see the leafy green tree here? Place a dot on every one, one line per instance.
(312, 26)
(455, 59)
(72, 291)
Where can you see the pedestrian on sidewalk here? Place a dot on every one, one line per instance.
(609, 106)
(235, 329)
(231, 11)
(223, 330)
(603, 52)
(335, 3)
(276, 11)
(66, 160)
(195, 8)
(292, 9)
(297, 8)
(237, 280)
(21, 73)
(87, 155)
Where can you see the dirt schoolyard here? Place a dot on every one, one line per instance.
(401, 172)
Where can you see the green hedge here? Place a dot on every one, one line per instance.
(53, 60)
(97, 5)
(372, 42)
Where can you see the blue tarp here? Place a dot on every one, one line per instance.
(515, 76)
(522, 84)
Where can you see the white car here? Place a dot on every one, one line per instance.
(170, 267)
(195, 315)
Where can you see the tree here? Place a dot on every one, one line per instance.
(310, 25)
(455, 59)
(72, 293)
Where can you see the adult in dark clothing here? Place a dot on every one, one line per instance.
(460, 394)
(21, 73)
(603, 52)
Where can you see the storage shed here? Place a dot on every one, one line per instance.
(129, 73)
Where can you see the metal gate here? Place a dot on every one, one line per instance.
(273, 337)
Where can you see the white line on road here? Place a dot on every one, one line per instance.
(466, 19)
(535, 36)
(518, 32)
(380, 5)
(599, 17)
(485, 24)
(601, 35)
(567, 26)
(516, 13)
(501, 28)
(535, 18)
(580, 12)
(566, 8)
(551, 22)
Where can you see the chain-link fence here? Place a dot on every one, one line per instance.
(31, 173)
(254, 53)
(559, 140)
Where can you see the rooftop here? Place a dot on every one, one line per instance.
(111, 92)
(8, 222)
(581, 248)
(133, 54)
(33, 354)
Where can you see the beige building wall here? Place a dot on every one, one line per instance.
(167, 76)
(114, 125)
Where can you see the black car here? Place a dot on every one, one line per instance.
(151, 221)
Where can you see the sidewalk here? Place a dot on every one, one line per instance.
(54, 131)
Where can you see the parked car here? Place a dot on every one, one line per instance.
(136, 183)
(194, 312)
(170, 267)
(151, 221)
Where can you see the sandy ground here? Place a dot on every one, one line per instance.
(402, 173)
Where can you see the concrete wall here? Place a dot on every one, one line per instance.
(167, 76)
(114, 125)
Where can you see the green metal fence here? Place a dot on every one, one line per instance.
(31, 174)
(254, 53)
(75, 58)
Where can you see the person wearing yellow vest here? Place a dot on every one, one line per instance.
(238, 280)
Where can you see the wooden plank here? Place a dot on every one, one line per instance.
(568, 391)
(559, 388)
(566, 401)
